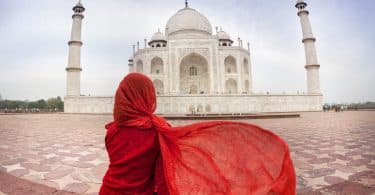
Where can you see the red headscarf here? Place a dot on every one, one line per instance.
(202, 158)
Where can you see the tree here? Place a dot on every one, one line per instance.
(55, 103)
(52, 103)
(41, 104)
(8, 104)
(60, 104)
(31, 105)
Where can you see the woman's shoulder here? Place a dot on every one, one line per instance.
(114, 130)
(110, 125)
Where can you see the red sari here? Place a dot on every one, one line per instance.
(218, 157)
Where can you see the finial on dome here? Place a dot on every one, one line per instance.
(186, 4)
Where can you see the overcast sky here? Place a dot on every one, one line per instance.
(34, 36)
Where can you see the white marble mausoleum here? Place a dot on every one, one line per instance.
(196, 70)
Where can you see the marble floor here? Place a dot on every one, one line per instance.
(333, 153)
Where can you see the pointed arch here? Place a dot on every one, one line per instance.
(230, 65)
(247, 86)
(191, 109)
(193, 89)
(159, 86)
(139, 66)
(208, 108)
(200, 108)
(246, 66)
(194, 75)
(231, 86)
(157, 65)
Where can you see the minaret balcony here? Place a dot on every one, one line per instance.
(78, 15)
(306, 39)
(312, 66)
(75, 43)
(73, 69)
(303, 12)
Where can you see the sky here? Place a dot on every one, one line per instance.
(34, 50)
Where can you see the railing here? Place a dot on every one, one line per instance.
(232, 94)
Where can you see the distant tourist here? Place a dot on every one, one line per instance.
(147, 155)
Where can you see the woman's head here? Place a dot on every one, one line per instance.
(135, 99)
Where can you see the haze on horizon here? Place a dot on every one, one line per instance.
(34, 36)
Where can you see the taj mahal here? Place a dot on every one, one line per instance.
(197, 69)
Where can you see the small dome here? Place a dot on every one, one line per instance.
(300, 3)
(158, 36)
(188, 19)
(221, 35)
(78, 8)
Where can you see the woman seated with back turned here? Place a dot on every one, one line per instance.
(148, 155)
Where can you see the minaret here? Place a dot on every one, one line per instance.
(74, 69)
(312, 65)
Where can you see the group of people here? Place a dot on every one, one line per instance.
(149, 156)
(29, 110)
(336, 108)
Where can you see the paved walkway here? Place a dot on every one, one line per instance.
(333, 153)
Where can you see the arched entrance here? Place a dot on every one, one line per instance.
(156, 66)
(139, 66)
(230, 65)
(247, 86)
(159, 87)
(193, 89)
(245, 66)
(208, 108)
(231, 86)
(194, 76)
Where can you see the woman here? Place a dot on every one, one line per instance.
(147, 154)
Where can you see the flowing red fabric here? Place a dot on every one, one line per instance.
(218, 157)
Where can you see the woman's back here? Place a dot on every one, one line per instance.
(132, 154)
(218, 157)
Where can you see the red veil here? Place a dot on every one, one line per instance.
(203, 158)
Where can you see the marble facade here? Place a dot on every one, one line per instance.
(197, 71)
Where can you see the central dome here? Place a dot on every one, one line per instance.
(188, 19)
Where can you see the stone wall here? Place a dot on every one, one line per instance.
(88, 104)
(206, 104)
